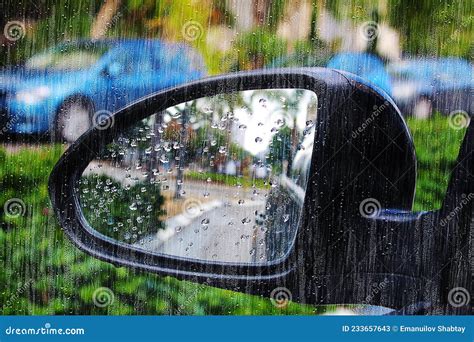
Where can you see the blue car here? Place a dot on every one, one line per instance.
(61, 90)
(369, 67)
(424, 85)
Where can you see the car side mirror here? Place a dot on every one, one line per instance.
(299, 181)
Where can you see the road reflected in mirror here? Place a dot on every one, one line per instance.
(220, 178)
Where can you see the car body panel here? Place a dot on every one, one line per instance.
(148, 66)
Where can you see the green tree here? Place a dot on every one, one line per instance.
(123, 213)
(433, 27)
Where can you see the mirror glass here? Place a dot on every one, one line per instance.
(220, 178)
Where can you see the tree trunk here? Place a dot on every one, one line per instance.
(105, 18)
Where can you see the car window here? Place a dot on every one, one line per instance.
(403, 74)
(67, 58)
(135, 62)
(125, 60)
(180, 58)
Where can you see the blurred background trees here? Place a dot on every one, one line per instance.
(237, 35)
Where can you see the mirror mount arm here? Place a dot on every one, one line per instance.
(407, 261)
(444, 239)
(455, 243)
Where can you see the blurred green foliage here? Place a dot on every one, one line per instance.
(434, 27)
(437, 148)
(426, 27)
(257, 49)
(220, 178)
(314, 53)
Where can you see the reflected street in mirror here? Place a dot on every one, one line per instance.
(220, 178)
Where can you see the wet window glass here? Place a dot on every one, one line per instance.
(66, 58)
(219, 179)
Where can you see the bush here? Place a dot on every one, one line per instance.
(437, 148)
(123, 213)
(257, 49)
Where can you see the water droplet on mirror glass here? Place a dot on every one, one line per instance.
(246, 220)
(280, 122)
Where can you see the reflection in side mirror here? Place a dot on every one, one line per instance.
(220, 178)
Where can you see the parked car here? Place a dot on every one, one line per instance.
(365, 65)
(59, 91)
(422, 86)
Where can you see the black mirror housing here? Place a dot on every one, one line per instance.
(363, 154)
